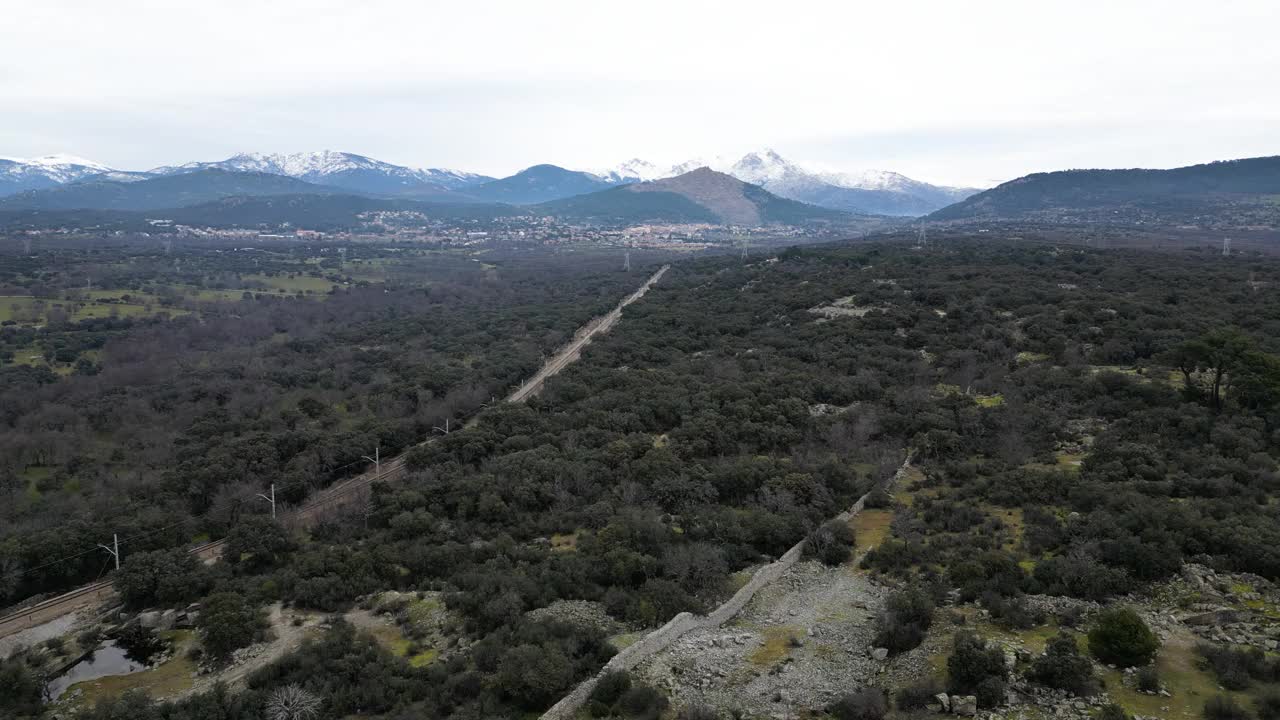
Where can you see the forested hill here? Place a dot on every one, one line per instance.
(168, 191)
(1234, 192)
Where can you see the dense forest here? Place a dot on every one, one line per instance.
(157, 403)
(1121, 405)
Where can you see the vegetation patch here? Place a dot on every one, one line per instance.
(777, 643)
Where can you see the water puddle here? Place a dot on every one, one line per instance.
(128, 654)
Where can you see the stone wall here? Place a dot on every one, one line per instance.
(660, 639)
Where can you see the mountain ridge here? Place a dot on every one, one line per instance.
(1221, 193)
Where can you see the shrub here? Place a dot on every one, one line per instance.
(1267, 705)
(1149, 679)
(878, 499)
(1112, 711)
(832, 543)
(866, 704)
(1222, 707)
(642, 702)
(1120, 637)
(611, 687)
(990, 692)
(907, 618)
(227, 622)
(1238, 668)
(1011, 612)
(916, 696)
(971, 664)
(1062, 667)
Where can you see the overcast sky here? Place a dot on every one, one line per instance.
(959, 92)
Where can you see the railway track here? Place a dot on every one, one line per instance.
(94, 593)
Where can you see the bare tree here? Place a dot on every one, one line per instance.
(292, 703)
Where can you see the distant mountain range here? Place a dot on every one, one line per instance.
(1232, 193)
(343, 170)
(17, 175)
(161, 192)
(699, 196)
(875, 192)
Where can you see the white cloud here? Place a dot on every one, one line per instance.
(942, 90)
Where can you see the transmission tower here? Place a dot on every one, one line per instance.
(626, 261)
(1226, 247)
(922, 237)
(26, 246)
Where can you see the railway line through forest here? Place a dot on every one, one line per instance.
(335, 495)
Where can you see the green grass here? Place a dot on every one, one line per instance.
(625, 640)
(777, 644)
(870, 528)
(1180, 672)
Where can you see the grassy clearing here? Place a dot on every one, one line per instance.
(26, 310)
(625, 640)
(1070, 461)
(870, 528)
(1026, 358)
(565, 542)
(1178, 665)
(777, 644)
(394, 641)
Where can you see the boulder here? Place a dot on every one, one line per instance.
(879, 653)
(149, 620)
(1223, 616)
(966, 705)
(167, 619)
(943, 701)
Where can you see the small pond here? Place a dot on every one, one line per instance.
(130, 653)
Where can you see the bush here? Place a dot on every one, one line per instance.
(908, 616)
(918, 695)
(1062, 667)
(1120, 637)
(1011, 613)
(227, 622)
(1112, 711)
(642, 702)
(611, 687)
(1222, 707)
(1267, 705)
(1238, 668)
(990, 692)
(971, 665)
(1149, 679)
(866, 704)
(832, 543)
(878, 499)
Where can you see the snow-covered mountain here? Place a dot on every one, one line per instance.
(873, 191)
(632, 171)
(345, 170)
(877, 192)
(19, 174)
